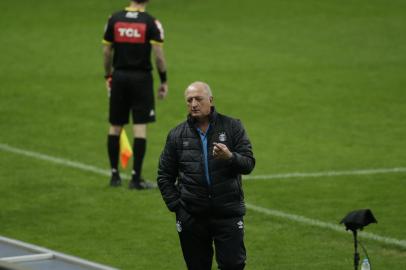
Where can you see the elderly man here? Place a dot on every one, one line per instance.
(199, 177)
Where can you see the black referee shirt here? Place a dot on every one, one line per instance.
(131, 32)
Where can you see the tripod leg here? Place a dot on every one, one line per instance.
(356, 254)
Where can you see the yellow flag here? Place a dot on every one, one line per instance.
(125, 149)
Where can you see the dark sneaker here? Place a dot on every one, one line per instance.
(141, 185)
(115, 180)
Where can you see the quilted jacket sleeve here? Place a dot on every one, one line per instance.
(243, 160)
(168, 173)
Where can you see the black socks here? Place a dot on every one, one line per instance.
(139, 147)
(113, 148)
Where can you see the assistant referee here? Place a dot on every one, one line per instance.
(130, 36)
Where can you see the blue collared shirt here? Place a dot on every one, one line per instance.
(203, 137)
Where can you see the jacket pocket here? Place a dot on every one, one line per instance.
(182, 215)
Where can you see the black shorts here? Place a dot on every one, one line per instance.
(131, 91)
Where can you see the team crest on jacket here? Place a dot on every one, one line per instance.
(222, 137)
(240, 224)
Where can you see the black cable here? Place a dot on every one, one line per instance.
(366, 253)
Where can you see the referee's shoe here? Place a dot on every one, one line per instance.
(115, 180)
(141, 184)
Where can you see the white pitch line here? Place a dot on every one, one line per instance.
(56, 160)
(326, 173)
(91, 168)
(267, 211)
(325, 225)
(61, 161)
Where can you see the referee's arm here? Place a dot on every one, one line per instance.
(161, 66)
(108, 58)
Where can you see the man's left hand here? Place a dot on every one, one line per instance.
(221, 151)
(163, 90)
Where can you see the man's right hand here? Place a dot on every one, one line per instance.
(221, 151)
(162, 90)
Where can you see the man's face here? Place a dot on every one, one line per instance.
(198, 102)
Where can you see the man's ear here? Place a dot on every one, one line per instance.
(211, 99)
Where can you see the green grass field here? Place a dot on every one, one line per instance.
(319, 85)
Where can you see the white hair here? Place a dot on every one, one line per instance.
(201, 85)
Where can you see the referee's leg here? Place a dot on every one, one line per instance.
(229, 243)
(113, 150)
(118, 117)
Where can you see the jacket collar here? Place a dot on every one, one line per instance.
(212, 118)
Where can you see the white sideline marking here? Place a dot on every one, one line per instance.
(85, 167)
(266, 211)
(326, 173)
(61, 161)
(53, 254)
(325, 225)
(28, 258)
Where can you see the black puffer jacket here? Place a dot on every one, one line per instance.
(181, 176)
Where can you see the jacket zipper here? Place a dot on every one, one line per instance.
(202, 161)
